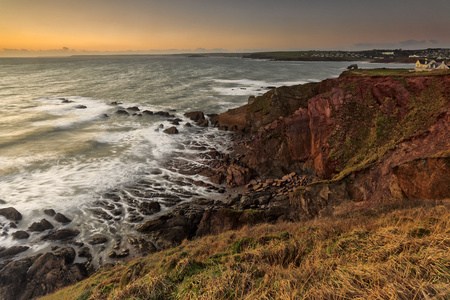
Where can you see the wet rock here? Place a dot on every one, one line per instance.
(2, 201)
(149, 208)
(20, 235)
(12, 251)
(98, 239)
(195, 116)
(123, 253)
(36, 276)
(41, 226)
(162, 113)
(203, 123)
(66, 101)
(67, 253)
(85, 252)
(49, 212)
(100, 213)
(112, 254)
(133, 108)
(188, 125)
(62, 218)
(134, 219)
(11, 214)
(116, 103)
(81, 107)
(61, 235)
(12, 225)
(147, 112)
(171, 130)
(122, 112)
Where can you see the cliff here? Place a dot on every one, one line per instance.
(378, 131)
(340, 173)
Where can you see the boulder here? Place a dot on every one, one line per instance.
(41, 226)
(49, 212)
(122, 112)
(62, 218)
(11, 214)
(98, 239)
(149, 207)
(195, 115)
(61, 235)
(12, 251)
(171, 130)
(20, 235)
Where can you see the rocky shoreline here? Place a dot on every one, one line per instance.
(292, 160)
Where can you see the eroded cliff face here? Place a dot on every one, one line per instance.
(372, 131)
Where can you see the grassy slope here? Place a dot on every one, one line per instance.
(397, 251)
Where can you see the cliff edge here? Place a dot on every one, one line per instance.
(383, 133)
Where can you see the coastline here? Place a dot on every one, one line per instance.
(268, 187)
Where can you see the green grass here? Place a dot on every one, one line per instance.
(395, 251)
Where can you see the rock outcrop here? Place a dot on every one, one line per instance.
(377, 128)
(35, 276)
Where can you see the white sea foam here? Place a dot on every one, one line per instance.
(247, 87)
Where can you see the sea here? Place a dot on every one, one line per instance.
(64, 147)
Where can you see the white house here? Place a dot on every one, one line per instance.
(425, 65)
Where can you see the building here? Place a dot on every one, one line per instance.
(425, 65)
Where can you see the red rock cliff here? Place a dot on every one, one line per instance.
(358, 124)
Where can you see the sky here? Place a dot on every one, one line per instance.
(58, 26)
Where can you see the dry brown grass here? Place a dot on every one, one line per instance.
(396, 251)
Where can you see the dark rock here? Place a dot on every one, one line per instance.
(175, 122)
(41, 226)
(49, 212)
(162, 113)
(116, 103)
(122, 112)
(188, 124)
(20, 235)
(32, 277)
(12, 225)
(66, 101)
(203, 123)
(133, 108)
(149, 208)
(195, 115)
(81, 107)
(98, 239)
(2, 201)
(134, 219)
(85, 252)
(123, 253)
(352, 67)
(61, 235)
(171, 130)
(147, 112)
(112, 254)
(62, 218)
(12, 251)
(11, 214)
(67, 253)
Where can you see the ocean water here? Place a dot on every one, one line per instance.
(54, 154)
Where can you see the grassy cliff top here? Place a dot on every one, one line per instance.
(393, 72)
(396, 251)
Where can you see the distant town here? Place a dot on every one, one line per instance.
(397, 55)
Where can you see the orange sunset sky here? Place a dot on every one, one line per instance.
(30, 26)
